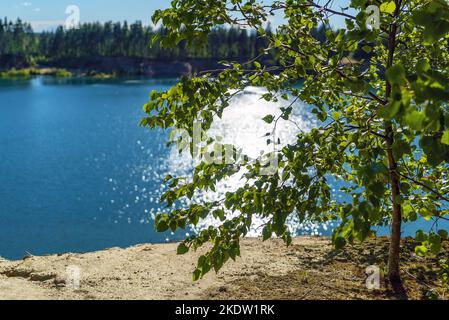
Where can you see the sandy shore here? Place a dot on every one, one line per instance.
(309, 269)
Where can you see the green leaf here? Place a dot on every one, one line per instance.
(162, 226)
(182, 249)
(388, 7)
(340, 243)
(421, 250)
(445, 138)
(426, 213)
(435, 243)
(396, 75)
(173, 226)
(401, 148)
(422, 67)
(336, 116)
(415, 120)
(288, 240)
(420, 236)
(367, 49)
(443, 234)
(434, 17)
(377, 188)
(267, 232)
(268, 119)
(196, 275)
(409, 213)
(390, 110)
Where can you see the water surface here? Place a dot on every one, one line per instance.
(78, 173)
(72, 164)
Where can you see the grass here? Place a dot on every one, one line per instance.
(100, 75)
(27, 73)
(320, 272)
(14, 74)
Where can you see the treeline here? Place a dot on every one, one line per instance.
(18, 42)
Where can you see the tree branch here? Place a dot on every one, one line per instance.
(439, 194)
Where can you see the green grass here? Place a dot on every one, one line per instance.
(16, 74)
(100, 75)
(29, 72)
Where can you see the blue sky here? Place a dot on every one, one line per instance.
(47, 14)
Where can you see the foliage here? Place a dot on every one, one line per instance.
(16, 40)
(26, 73)
(384, 127)
(442, 292)
(61, 73)
(13, 74)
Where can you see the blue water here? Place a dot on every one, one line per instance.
(77, 172)
(72, 158)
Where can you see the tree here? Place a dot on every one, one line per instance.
(384, 129)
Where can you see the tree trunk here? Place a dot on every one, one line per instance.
(395, 240)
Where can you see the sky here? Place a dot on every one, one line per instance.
(47, 14)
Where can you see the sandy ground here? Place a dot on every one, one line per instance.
(309, 269)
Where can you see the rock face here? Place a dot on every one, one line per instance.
(133, 66)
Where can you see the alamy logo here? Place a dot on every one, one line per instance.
(374, 14)
(73, 277)
(373, 20)
(73, 19)
(373, 280)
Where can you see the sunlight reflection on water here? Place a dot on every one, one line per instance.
(243, 127)
(135, 199)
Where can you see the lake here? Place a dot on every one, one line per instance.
(78, 173)
(73, 161)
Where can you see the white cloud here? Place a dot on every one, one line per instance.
(46, 25)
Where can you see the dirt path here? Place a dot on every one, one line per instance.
(309, 269)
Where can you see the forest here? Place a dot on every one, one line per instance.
(20, 46)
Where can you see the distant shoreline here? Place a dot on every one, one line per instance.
(111, 67)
